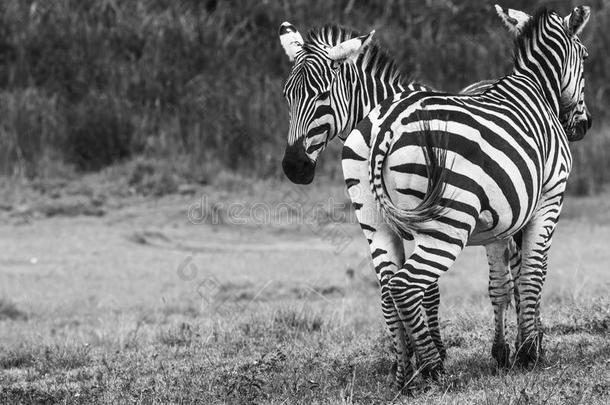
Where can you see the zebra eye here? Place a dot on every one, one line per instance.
(585, 52)
(324, 95)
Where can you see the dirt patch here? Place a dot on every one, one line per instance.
(151, 238)
(69, 206)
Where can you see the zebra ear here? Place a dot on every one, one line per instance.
(514, 20)
(576, 21)
(291, 40)
(350, 49)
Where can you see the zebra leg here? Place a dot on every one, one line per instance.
(500, 290)
(386, 250)
(537, 238)
(514, 246)
(430, 258)
(431, 302)
(387, 253)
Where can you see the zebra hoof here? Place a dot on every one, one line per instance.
(540, 346)
(529, 354)
(403, 377)
(401, 387)
(501, 353)
(433, 372)
(394, 367)
(443, 353)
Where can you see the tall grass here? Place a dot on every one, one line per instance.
(92, 82)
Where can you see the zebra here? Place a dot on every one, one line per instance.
(451, 170)
(341, 64)
(331, 65)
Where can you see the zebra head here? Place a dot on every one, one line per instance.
(316, 100)
(573, 113)
(549, 47)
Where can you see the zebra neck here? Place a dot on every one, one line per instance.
(549, 85)
(541, 58)
(363, 90)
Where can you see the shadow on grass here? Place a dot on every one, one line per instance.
(46, 359)
(33, 395)
(594, 320)
(310, 377)
(8, 310)
(19, 358)
(570, 351)
(590, 326)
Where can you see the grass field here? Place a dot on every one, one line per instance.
(131, 300)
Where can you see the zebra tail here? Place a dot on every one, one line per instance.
(406, 221)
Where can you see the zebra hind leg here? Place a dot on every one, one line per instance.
(429, 260)
(386, 251)
(431, 302)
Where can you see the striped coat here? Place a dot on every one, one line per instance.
(452, 170)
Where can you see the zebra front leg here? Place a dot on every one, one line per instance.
(500, 291)
(430, 258)
(537, 238)
(515, 269)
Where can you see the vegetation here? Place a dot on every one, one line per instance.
(91, 82)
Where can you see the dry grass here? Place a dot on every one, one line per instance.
(269, 314)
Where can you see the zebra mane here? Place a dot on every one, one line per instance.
(529, 31)
(374, 59)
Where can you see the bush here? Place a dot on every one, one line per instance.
(93, 82)
(152, 178)
(31, 127)
(99, 133)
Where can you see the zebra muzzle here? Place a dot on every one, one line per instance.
(297, 166)
(580, 130)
